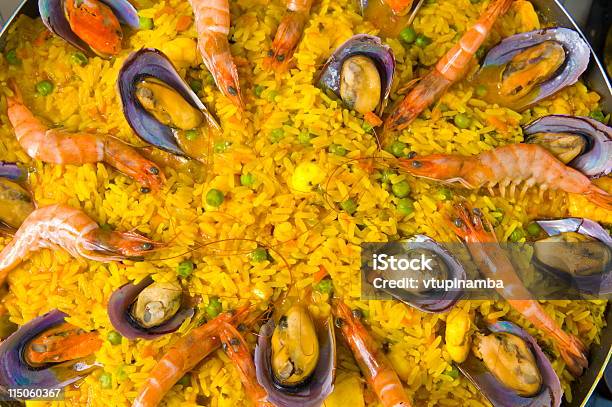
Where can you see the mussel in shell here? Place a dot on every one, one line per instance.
(509, 368)
(578, 251)
(15, 203)
(89, 25)
(360, 73)
(46, 353)
(148, 309)
(12, 171)
(295, 358)
(580, 142)
(158, 104)
(528, 67)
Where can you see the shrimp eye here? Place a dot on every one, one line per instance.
(154, 170)
(411, 155)
(232, 90)
(458, 222)
(241, 327)
(147, 246)
(280, 58)
(145, 190)
(339, 322)
(417, 164)
(357, 313)
(477, 212)
(234, 342)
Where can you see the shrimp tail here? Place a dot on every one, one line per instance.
(599, 197)
(286, 39)
(574, 356)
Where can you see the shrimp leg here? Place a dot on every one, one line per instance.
(493, 262)
(289, 33)
(373, 363)
(449, 69)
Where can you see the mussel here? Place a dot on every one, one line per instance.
(360, 73)
(528, 67)
(47, 353)
(12, 171)
(444, 267)
(509, 368)
(148, 309)
(295, 358)
(15, 202)
(90, 25)
(160, 106)
(580, 142)
(578, 251)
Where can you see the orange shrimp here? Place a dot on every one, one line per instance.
(449, 69)
(236, 348)
(61, 343)
(96, 24)
(60, 147)
(399, 7)
(71, 229)
(212, 22)
(289, 33)
(184, 356)
(373, 363)
(493, 262)
(507, 166)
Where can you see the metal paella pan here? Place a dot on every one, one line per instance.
(594, 77)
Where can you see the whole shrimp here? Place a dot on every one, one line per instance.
(236, 348)
(449, 69)
(184, 356)
(212, 21)
(288, 33)
(493, 262)
(507, 166)
(60, 147)
(71, 229)
(374, 365)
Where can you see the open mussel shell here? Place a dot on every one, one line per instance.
(433, 301)
(311, 392)
(365, 45)
(597, 284)
(15, 372)
(596, 158)
(54, 17)
(566, 48)
(15, 201)
(501, 396)
(149, 63)
(12, 171)
(121, 304)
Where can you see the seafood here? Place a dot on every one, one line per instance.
(528, 67)
(184, 356)
(148, 309)
(578, 250)
(360, 73)
(71, 229)
(89, 25)
(457, 335)
(493, 262)
(509, 368)
(160, 106)
(289, 33)
(580, 142)
(60, 147)
(15, 203)
(12, 171)
(374, 365)
(507, 166)
(212, 21)
(449, 69)
(46, 353)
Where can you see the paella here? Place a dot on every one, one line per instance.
(186, 186)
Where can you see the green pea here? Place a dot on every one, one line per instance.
(185, 380)
(337, 149)
(121, 374)
(445, 193)
(272, 95)
(146, 23)
(44, 88)
(397, 148)
(405, 206)
(462, 121)
(598, 115)
(481, 90)
(12, 58)
(408, 35)
(259, 90)
(221, 146)
(195, 85)
(533, 229)
(259, 254)
(349, 206)
(516, 235)
(114, 337)
(192, 134)
(78, 58)
(454, 372)
(401, 189)
(277, 135)
(106, 380)
(214, 197)
(304, 137)
(367, 127)
(247, 179)
(324, 286)
(214, 307)
(185, 268)
(422, 40)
